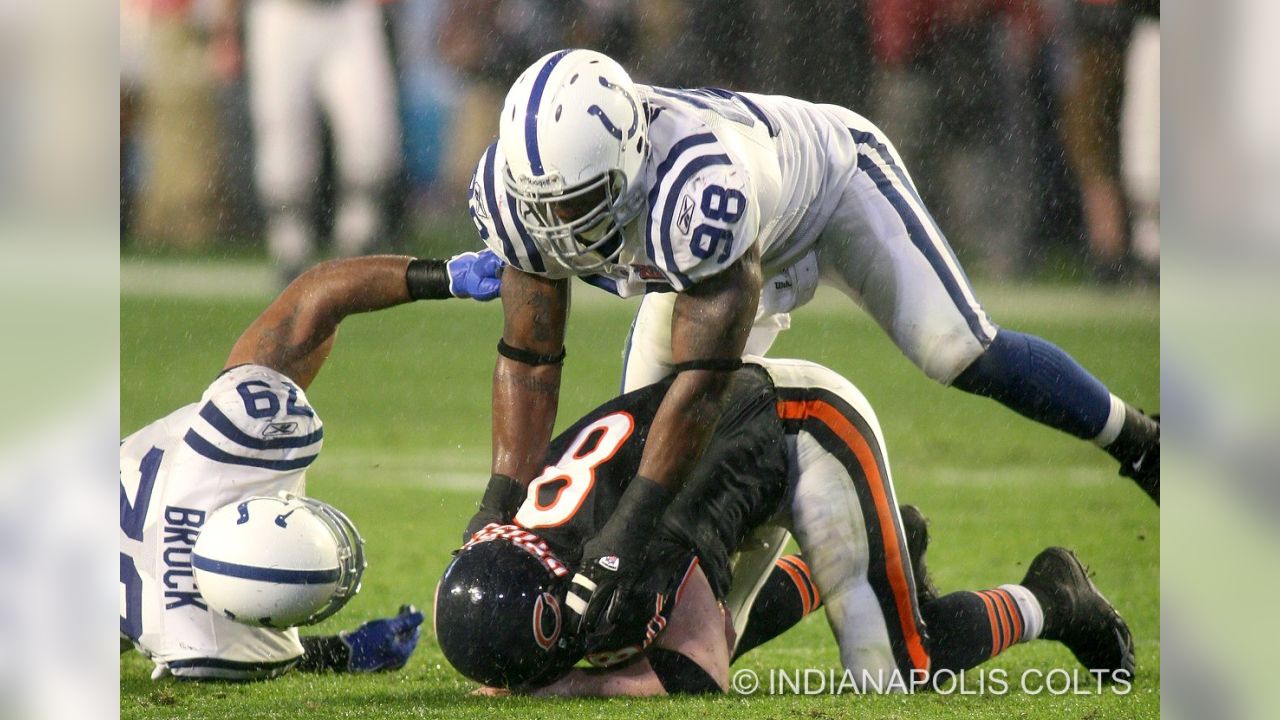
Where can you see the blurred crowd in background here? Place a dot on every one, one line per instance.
(302, 128)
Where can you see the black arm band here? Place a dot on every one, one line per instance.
(324, 652)
(716, 364)
(679, 675)
(427, 279)
(527, 357)
(503, 496)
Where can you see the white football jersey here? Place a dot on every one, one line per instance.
(725, 170)
(252, 433)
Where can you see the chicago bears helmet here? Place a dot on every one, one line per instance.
(573, 132)
(278, 561)
(497, 610)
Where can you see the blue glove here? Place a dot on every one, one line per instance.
(384, 644)
(475, 275)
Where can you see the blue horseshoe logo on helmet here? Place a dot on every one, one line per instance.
(604, 119)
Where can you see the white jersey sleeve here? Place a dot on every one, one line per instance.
(252, 433)
(702, 212)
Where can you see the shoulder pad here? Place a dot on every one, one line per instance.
(703, 215)
(256, 417)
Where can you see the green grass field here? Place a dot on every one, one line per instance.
(405, 399)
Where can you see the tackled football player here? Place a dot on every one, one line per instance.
(796, 445)
(691, 198)
(254, 434)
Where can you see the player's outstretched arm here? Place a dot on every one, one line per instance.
(709, 330)
(295, 333)
(526, 389)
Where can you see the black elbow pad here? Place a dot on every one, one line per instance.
(679, 675)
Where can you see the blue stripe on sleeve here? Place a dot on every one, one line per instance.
(535, 257)
(214, 453)
(491, 199)
(224, 425)
(916, 230)
(669, 208)
(669, 162)
(531, 113)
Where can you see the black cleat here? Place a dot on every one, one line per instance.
(916, 528)
(1138, 450)
(1078, 616)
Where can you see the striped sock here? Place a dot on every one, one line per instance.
(968, 628)
(786, 598)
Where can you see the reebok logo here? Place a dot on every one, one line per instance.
(609, 562)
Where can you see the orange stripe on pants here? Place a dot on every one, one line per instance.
(885, 512)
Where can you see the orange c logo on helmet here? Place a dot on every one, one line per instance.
(546, 608)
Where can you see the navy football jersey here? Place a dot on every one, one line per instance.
(738, 484)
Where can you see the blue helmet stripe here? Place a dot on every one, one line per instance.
(265, 574)
(491, 199)
(531, 112)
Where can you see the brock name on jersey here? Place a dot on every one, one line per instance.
(252, 433)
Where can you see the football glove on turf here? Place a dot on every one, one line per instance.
(384, 644)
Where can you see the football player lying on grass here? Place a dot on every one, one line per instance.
(270, 559)
(797, 442)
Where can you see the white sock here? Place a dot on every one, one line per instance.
(1115, 423)
(1029, 606)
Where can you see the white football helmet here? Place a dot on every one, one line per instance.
(278, 561)
(573, 131)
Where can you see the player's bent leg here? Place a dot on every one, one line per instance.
(884, 250)
(753, 568)
(646, 358)
(786, 597)
(1040, 381)
(845, 517)
(968, 628)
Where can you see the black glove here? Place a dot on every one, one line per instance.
(501, 500)
(612, 559)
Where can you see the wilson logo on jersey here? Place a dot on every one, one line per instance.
(685, 220)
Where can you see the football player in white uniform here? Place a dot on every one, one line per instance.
(695, 198)
(253, 433)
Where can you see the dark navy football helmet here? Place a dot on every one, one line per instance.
(498, 615)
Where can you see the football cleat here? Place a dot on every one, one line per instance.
(916, 528)
(1078, 616)
(1138, 450)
